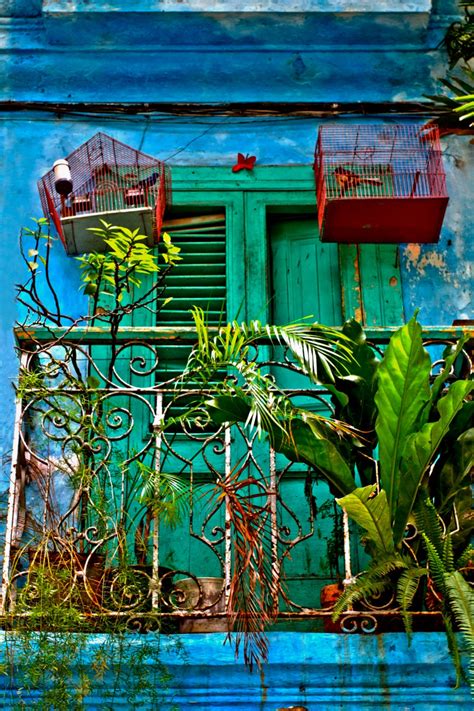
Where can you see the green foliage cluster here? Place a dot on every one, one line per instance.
(55, 603)
(459, 43)
(402, 432)
(459, 39)
(47, 650)
(125, 263)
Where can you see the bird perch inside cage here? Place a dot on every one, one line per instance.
(104, 179)
(379, 183)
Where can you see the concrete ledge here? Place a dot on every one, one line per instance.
(246, 6)
(318, 671)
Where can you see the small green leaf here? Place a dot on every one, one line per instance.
(92, 382)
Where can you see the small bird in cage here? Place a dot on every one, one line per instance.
(348, 180)
(137, 194)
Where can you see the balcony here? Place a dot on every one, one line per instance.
(155, 526)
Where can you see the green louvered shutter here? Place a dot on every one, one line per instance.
(198, 280)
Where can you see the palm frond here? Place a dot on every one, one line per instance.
(165, 493)
(253, 587)
(318, 349)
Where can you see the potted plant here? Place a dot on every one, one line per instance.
(226, 384)
(418, 422)
(394, 424)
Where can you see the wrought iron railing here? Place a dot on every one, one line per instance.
(136, 518)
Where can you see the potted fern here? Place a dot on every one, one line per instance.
(419, 424)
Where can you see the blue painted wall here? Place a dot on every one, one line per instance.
(216, 51)
(319, 671)
(316, 671)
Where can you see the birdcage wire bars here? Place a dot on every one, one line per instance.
(108, 177)
(380, 183)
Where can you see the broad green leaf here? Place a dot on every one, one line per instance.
(228, 408)
(303, 446)
(298, 444)
(402, 393)
(359, 386)
(421, 448)
(371, 512)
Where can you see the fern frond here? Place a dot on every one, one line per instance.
(428, 522)
(461, 598)
(453, 650)
(363, 587)
(436, 565)
(448, 555)
(406, 589)
(372, 582)
(465, 558)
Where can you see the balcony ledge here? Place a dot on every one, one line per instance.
(316, 671)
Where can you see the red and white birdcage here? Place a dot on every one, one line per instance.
(379, 183)
(104, 179)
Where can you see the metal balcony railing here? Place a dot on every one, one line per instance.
(143, 523)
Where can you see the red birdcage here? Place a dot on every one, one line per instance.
(379, 183)
(104, 179)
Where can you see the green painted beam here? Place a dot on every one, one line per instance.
(186, 334)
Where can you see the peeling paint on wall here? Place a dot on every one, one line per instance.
(419, 262)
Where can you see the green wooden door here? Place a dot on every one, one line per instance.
(304, 273)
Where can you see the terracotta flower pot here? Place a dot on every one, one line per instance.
(329, 596)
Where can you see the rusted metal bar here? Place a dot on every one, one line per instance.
(227, 529)
(13, 495)
(155, 595)
(274, 526)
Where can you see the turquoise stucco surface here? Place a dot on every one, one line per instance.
(317, 671)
